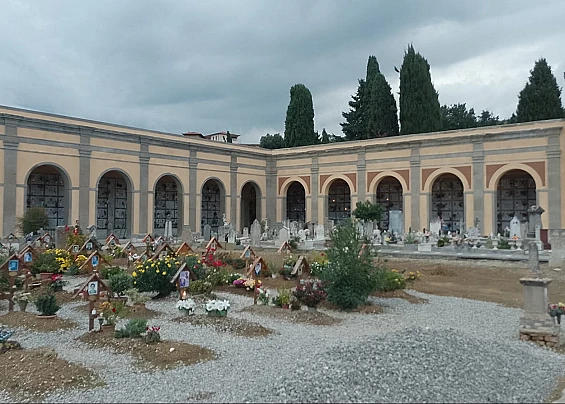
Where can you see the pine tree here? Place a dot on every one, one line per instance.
(487, 118)
(299, 123)
(419, 104)
(352, 128)
(541, 97)
(275, 141)
(456, 116)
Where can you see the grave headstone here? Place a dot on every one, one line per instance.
(311, 230)
(534, 219)
(283, 236)
(473, 233)
(320, 235)
(245, 232)
(556, 238)
(435, 227)
(60, 237)
(301, 235)
(255, 238)
(207, 232)
(533, 259)
(231, 236)
(396, 222)
(515, 228)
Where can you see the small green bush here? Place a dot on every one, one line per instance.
(107, 272)
(133, 329)
(197, 268)
(218, 277)
(45, 262)
(200, 287)
(390, 280)
(32, 220)
(119, 283)
(47, 304)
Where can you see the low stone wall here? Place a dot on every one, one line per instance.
(550, 341)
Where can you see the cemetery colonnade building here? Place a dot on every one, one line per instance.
(129, 181)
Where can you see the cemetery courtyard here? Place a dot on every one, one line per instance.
(449, 336)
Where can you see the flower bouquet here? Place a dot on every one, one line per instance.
(189, 306)
(263, 297)
(310, 293)
(217, 308)
(152, 335)
(110, 312)
(250, 284)
(556, 311)
(57, 282)
(239, 283)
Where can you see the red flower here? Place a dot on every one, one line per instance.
(146, 328)
(322, 254)
(113, 309)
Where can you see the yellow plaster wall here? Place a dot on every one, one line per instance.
(1, 206)
(489, 226)
(460, 148)
(45, 135)
(469, 206)
(75, 208)
(399, 154)
(543, 200)
(115, 144)
(347, 157)
(215, 157)
(98, 166)
(169, 151)
(254, 162)
(515, 143)
(27, 160)
(291, 163)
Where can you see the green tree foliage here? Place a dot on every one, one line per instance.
(350, 275)
(367, 211)
(541, 97)
(373, 111)
(487, 118)
(299, 123)
(275, 141)
(419, 105)
(457, 116)
(33, 219)
(325, 136)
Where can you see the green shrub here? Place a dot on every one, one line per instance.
(32, 220)
(133, 329)
(195, 264)
(276, 300)
(45, 262)
(218, 277)
(47, 304)
(107, 272)
(237, 263)
(200, 287)
(503, 245)
(155, 275)
(119, 283)
(391, 280)
(135, 297)
(4, 284)
(350, 274)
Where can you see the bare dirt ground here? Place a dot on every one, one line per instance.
(491, 281)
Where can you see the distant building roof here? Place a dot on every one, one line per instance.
(233, 135)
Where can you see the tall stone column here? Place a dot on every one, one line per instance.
(553, 154)
(415, 188)
(478, 182)
(192, 190)
(314, 183)
(143, 187)
(11, 143)
(271, 191)
(233, 193)
(361, 176)
(84, 153)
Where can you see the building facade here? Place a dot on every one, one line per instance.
(129, 180)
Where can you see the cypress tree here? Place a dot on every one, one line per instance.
(419, 104)
(352, 128)
(325, 136)
(299, 123)
(541, 97)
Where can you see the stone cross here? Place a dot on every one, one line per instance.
(533, 259)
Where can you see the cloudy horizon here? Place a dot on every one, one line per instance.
(179, 66)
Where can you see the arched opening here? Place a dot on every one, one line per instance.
(48, 187)
(250, 204)
(389, 196)
(213, 205)
(113, 213)
(339, 201)
(296, 202)
(515, 193)
(448, 201)
(168, 205)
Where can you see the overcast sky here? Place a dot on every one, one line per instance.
(210, 66)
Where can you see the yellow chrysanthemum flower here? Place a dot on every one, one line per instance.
(134, 274)
(157, 271)
(164, 273)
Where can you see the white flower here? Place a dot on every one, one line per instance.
(220, 305)
(188, 304)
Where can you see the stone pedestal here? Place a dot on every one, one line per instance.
(425, 247)
(60, 237)
(536, 324)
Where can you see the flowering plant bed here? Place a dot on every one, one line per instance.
(310, 293)
(110, 311)
(162, 355)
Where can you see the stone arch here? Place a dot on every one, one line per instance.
(338, 200)
(389, 193)
(251, 197)
(289, 181)
(378, 178)
(332, 178)
(493, 183)
(114, 210)
(212, 203)
(516, 191)
(447, 200)
(446, 170)
(294, 206)
(168, 199)
(48, 185)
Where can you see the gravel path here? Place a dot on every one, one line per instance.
(449, 350)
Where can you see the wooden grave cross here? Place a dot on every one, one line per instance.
(161, 249)
(257, 267)
(248, 254)
(129, 247)
(91, 289)
(213, 245)
(93, 262)
(285, 246)
(112, 238)
(27, 256)
(44, 240)
(301, 266)
(148, 238)
(90, 245)
(182, 280)
(363, 247)
(184, 249)
(12, 267)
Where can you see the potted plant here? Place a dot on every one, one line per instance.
(556, 311)
(152, 335)
(284, 297)
(217, 308)
(110, 312)
(119, 283)
(57, 282)
(310, 293)
(47, 306)
(137, 299)
(188, 306)
(23, 299)
(263, 296)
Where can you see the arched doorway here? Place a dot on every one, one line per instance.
(389, 196)
(296, 202)
(212, 207)
(515, 193)
(113, 213)
(48, 187)
(339, 201)
(448, 201)
(250, 204)
(168, 205)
